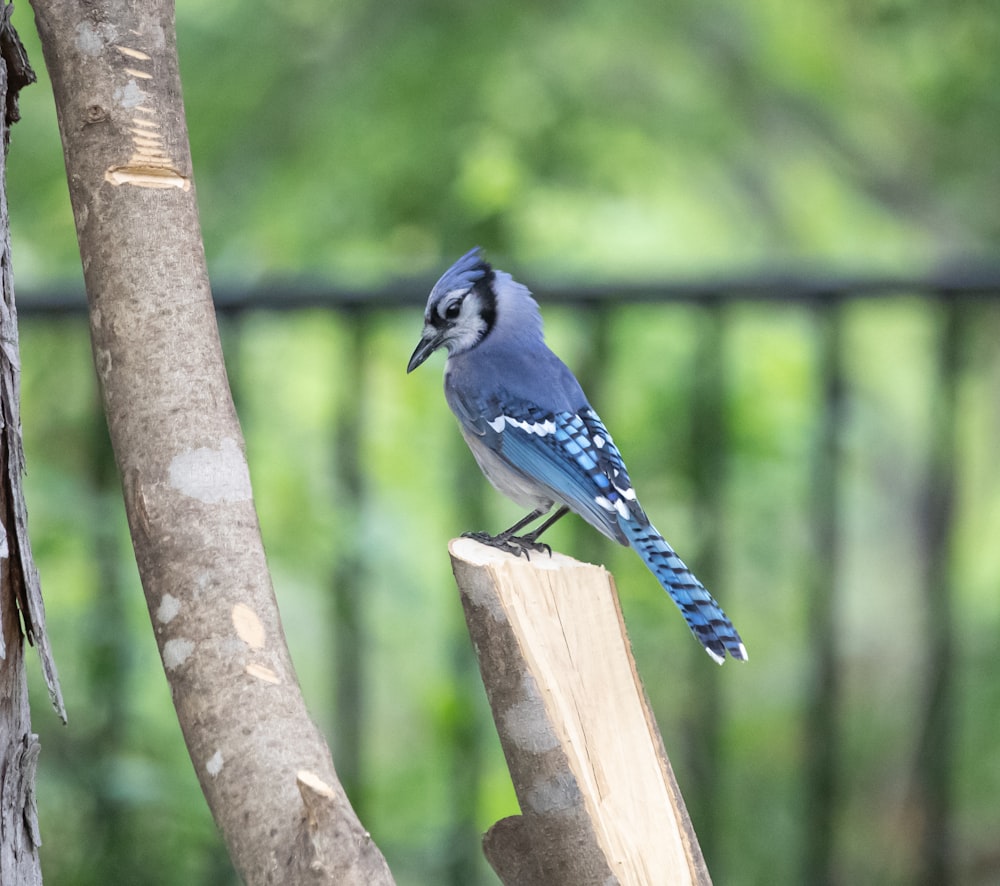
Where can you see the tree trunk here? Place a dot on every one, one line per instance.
(20, 593)
(263, 766)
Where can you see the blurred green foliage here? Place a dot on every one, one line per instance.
(358, 143)
(586, 139)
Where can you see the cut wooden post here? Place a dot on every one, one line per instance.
(599, 801)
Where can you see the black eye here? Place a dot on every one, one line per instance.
(453, 310)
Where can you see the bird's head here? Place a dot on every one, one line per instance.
(461, 309)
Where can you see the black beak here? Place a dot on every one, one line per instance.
(427, 345)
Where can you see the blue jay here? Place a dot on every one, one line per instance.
(537, 439)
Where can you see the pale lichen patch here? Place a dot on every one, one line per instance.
(176, 652)
(212, 476)
(129, 96)
(213, 765)
(88, 40)
(103, 361)
(167, 611)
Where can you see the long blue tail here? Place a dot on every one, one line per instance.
(707, 621)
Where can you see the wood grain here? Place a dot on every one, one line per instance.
(599, 802)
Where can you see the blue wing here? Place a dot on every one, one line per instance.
(572, 455)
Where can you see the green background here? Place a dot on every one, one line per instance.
(355, 144)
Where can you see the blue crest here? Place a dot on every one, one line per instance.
(468, 270)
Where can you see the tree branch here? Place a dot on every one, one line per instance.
(180, 451)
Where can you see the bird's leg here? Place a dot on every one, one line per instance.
(509, 541)
(532, 537)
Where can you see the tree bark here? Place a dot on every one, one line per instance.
(263, 766)
(21, 611)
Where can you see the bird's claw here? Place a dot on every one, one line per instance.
(511, 544)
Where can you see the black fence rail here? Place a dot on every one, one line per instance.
(970, 281)
(849, 507)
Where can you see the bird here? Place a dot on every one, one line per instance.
(536, 437)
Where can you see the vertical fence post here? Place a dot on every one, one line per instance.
(707, 440)
(109, 670)
(348, 580)
(467, 726)
(820, 729)
(934, 765)
(595, 325)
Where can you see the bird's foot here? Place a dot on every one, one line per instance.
(512, 544)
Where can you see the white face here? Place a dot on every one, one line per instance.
(460, 315)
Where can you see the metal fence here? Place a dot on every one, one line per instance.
(931, 828)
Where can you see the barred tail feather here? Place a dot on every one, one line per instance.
(704, 616)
